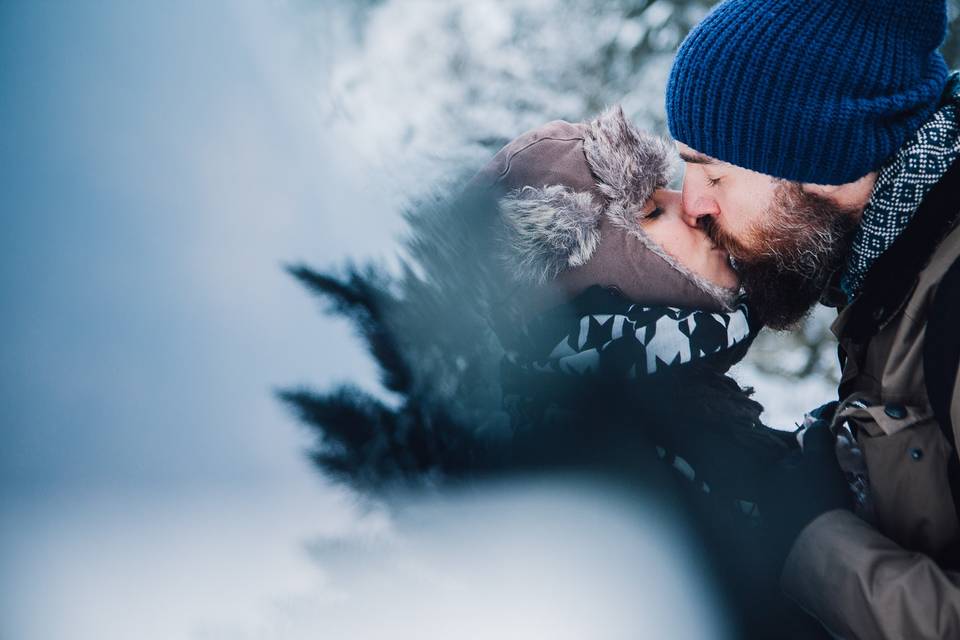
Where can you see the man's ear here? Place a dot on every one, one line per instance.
(851, 195)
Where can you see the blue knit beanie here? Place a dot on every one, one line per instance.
(819, 91)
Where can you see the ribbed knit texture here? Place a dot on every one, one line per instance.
(820, 91)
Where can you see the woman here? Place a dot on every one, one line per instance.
(621, 322)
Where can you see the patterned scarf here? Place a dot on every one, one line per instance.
(902, 184)
(602, 333)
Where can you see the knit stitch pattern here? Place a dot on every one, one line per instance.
(819, 91)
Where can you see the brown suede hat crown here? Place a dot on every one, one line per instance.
(570, 196)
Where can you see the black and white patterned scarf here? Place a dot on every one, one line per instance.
(636, 341)
(902, 184)
(607, 335)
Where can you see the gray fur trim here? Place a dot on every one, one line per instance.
(629, 164)
(547, 230)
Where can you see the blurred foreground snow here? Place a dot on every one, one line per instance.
(532, 558)
(525, 558)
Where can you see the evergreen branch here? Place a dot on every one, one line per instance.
(364, 299)
(354, 432)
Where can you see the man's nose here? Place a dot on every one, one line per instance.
(698, 205)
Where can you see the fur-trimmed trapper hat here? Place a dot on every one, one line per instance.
(570, 196)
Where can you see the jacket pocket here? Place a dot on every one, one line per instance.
(906, 461)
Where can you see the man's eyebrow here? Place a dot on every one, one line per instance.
(696, 158)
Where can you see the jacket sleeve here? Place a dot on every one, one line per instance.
(860, 584)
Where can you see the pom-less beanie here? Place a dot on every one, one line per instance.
(819, 91)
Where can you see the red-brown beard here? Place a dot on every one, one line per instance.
(785, 262)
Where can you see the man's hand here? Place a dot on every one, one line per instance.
(804, 485)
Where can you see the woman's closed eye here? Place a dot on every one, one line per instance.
(653, 214)
(713, 181)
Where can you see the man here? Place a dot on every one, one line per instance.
(821, 141)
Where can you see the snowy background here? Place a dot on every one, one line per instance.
(160, 163)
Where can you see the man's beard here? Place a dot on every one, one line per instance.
(786, 261)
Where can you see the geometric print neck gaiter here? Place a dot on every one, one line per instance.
(902, 184)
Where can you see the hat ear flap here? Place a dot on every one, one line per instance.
(629, 164)
(547, 230)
